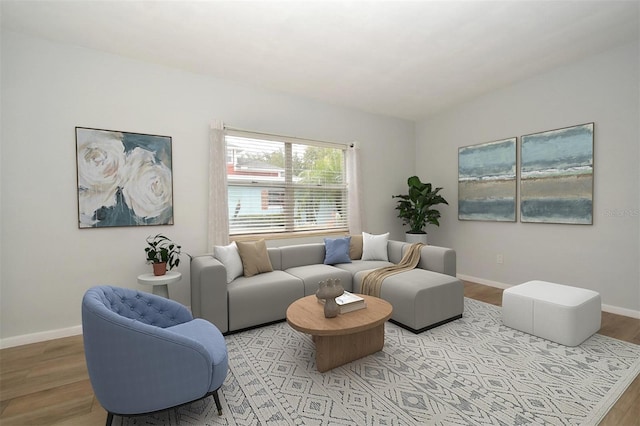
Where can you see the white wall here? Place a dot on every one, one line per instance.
(48, 89)
(604, 257)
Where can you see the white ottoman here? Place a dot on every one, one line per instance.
(563, 314)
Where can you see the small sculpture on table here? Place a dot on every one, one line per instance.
(328, 291)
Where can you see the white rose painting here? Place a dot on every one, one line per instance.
(124, 179)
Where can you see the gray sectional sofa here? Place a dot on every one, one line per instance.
(422, 298)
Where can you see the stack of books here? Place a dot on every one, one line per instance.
(348, 302)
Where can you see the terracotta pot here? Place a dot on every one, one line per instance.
(159, 268)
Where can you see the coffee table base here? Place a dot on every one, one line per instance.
(334, 351)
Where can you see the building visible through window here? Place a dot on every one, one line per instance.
(283, 186)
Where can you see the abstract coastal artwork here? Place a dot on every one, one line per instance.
(487, 181)
(124, 179)
(556, 176)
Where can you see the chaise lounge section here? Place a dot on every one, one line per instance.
(422, 298)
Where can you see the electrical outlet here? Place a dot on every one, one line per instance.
(499, 259)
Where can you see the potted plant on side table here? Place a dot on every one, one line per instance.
(162, 253)
(416, 208)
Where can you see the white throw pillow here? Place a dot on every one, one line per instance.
(230, 258)
(374, 247)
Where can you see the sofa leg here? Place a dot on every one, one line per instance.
(109, 419)
(216, 398)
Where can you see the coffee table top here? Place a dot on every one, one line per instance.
(307, 315)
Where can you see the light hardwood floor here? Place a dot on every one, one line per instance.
(47, 383)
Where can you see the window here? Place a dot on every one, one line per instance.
(284, 185)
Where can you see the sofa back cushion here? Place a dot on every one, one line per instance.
(395, 250)
(275, 258)
(302, 255)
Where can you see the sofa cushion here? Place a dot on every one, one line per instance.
(255, 259)
(302, 255)
(230, 258)
(374, 247)
(362, 265)
(311, 275)
(262, 298)
(336, 250)
(421, 299)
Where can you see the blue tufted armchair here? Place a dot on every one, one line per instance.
(146, 353)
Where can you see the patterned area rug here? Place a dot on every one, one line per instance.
(473, 371)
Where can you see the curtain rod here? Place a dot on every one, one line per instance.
(273, 135)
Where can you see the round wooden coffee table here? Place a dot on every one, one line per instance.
(344, 338)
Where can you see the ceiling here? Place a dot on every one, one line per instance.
(406, 59)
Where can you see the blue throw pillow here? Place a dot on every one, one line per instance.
(336, 250)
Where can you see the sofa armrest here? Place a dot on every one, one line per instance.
(438, 259)
(209, 291)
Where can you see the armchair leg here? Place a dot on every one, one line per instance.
(109, 419)
(216, 398)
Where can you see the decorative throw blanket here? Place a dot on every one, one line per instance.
(372, 282)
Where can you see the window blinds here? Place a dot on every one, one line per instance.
(278, 185)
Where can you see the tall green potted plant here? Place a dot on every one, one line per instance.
(162, 253)
(416, 208)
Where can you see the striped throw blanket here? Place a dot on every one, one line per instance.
(372, 282)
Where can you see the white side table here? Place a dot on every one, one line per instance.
(160, 282)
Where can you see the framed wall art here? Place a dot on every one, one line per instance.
(556, 176)
(487, 181)
(124, 179)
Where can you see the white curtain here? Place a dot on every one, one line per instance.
(218, 218)
(354, 189)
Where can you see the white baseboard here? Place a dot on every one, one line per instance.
(621, 311)
(483, 281)
(43, 336)
(607, 308)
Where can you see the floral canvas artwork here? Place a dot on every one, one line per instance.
(124, 179)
